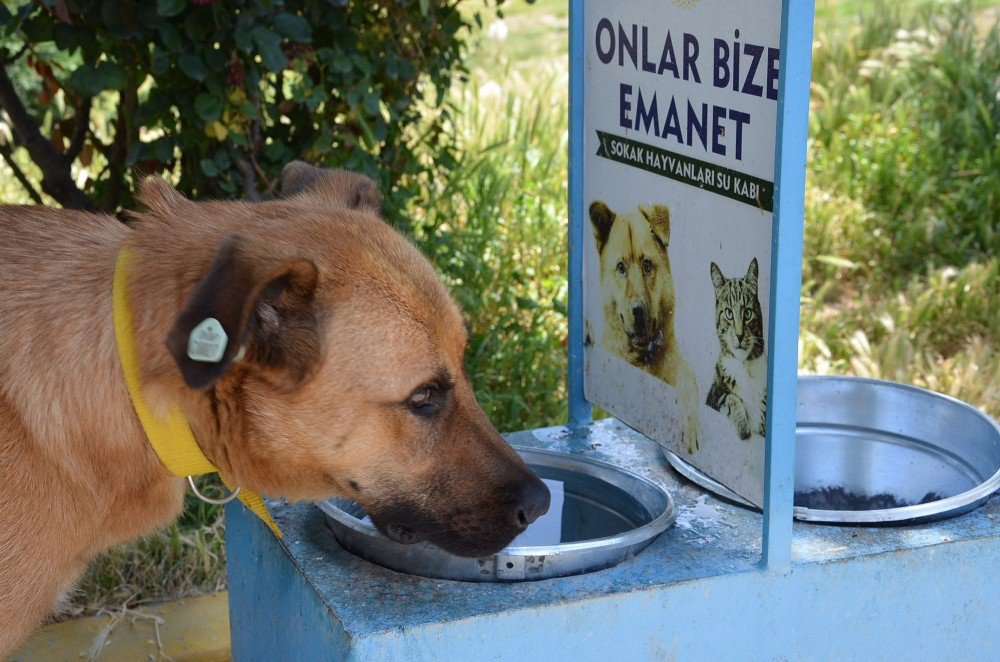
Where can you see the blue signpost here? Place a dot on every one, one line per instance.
(713, 587)
(786, 278)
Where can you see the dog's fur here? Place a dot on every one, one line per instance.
(352, 383)
(637, 289)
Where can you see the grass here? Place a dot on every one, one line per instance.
(496, 230)
(902, 279)
(901, 267)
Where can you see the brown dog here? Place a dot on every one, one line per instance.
(352, 382)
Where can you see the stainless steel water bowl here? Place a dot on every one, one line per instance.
(870, 451)
(600, 516)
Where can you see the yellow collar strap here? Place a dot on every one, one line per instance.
(171, 438)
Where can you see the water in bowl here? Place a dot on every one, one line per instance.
(582, 508)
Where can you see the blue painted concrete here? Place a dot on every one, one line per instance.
(697, 592)
(273, 610)
(786, 277)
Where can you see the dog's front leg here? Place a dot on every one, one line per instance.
(29, 593)
(689, 403)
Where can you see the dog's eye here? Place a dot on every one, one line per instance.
(425, 401)
(647, 266)
(620, 267)
(729, 314)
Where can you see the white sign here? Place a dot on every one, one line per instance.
(681, 109)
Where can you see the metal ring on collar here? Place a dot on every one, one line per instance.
(215, 502)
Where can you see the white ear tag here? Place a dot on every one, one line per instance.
(207, 341)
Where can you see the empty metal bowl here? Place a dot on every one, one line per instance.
(870, 451)
(600, 516)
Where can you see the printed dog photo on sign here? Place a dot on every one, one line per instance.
(639, 301)
(739, 389)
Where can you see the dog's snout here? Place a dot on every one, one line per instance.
(532, 502)
(639, 314)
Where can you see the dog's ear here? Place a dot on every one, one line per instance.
(659, 219)
(717, 278)
(340, 188)
(249, 303)
(752, 271)
(602, 218)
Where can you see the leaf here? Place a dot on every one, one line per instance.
(208, 107)
(171, 38)
(160, 61)
(425, 6)
(90, 80)
(163, 149)
(294, 27)
(216, 130)
(38, 28)
(269, 45)
(66, 37)
(192, 66)
(170, 7)
(341, 62)
(208, 167)
(837, 261)
(61, 12)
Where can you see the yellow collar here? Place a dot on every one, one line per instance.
(171, 438)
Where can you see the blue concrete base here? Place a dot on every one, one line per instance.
(925, 592)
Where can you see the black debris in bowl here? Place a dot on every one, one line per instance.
(837, 498)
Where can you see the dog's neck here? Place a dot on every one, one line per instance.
(158, 289)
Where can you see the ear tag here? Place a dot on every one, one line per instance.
(207, 342)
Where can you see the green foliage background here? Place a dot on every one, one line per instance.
(208, 91)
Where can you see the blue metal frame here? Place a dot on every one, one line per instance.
(579, 408)
(786, 278)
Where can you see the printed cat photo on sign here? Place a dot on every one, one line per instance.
(739, 389)
(639, 301)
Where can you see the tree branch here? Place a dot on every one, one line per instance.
(125, 135)
(19, 175)
(249, 180)
(6, 57)
(56, 175)
(81, 122)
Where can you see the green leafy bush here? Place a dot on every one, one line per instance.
(220, 94)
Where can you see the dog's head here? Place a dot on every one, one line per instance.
(343, 370)
(636, 283)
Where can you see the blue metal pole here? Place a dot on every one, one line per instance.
(579, 408)
(786, 278)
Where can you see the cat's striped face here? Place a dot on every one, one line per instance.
(738, 319)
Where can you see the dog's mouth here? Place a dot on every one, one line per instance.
(646, 343)
(468, 544)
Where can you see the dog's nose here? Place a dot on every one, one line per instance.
(531, 503)
(639, 313)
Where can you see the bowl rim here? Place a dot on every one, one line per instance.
(643, 534)
(950, 506)
(953, 504)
